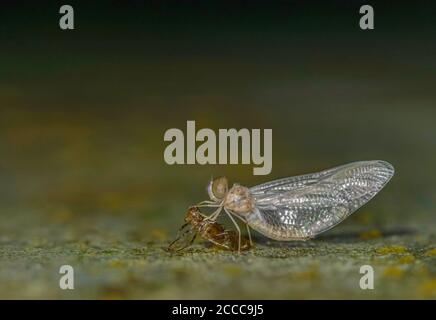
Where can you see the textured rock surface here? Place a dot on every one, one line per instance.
(113, 258)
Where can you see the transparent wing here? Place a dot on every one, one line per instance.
(304, 206)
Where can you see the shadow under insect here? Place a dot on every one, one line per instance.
(197, 225)
(336, 238)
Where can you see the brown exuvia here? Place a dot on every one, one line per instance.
(197, 224)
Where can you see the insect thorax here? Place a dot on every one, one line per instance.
(239, 200)
(193, 216)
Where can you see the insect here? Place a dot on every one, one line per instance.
(300, 207)
(212, 231)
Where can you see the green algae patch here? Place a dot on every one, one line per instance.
(430, 253)
(407, 259)
(428, 288)
(394, 272)
(391, 250)
(110, 263)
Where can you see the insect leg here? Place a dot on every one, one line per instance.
(189, 244)
(180, 233)
(215, 214)
(184, 238)
(192, 240)
(209, 205)
(205, 203)
(248, 228)
(237, 227)
(220, 244)
(173, 242)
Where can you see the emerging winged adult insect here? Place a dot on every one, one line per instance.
(212, 231)
(300, 207)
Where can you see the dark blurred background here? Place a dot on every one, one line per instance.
(83, 112)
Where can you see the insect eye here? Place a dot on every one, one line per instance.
(218, 188)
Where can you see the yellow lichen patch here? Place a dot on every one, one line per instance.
(428, 288)
(393, 272)
(406, 259)
(392, 250)
(371, 234)
(430, 253)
